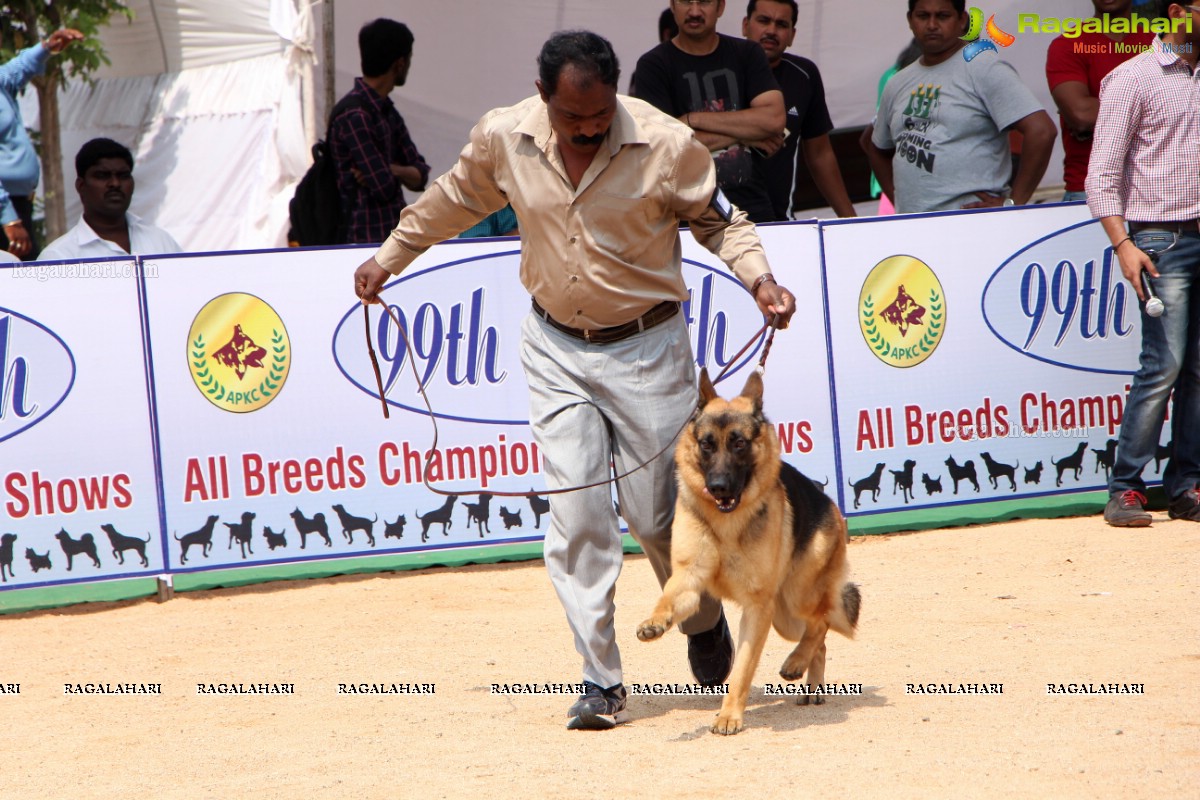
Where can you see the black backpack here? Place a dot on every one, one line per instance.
(316, 208)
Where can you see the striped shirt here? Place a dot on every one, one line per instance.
(1145, 163)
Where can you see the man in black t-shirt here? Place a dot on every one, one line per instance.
(772, 25)
(721, 87)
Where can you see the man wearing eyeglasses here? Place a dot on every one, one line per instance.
(1144, 172)
(722, 88)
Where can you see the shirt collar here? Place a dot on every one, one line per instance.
(85, 234)
(373, 97)
(1165, 57)
(624, 130)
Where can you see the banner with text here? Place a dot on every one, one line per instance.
(77, 479)
(221, 410)
(979, 356)
(273, 442)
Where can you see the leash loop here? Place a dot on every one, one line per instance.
(496, 493)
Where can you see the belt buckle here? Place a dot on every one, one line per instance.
(587, 335)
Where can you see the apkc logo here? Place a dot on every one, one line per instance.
(976, 28)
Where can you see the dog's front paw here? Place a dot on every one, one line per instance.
(727, 724)
(792, 669)
(653, 628)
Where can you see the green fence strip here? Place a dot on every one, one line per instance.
(19, 600)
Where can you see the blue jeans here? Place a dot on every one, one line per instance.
(1071, 197)
(1170, 359)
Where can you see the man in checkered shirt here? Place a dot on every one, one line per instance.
(1144, 172)
(375, 156)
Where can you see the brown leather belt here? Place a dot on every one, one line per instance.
(655, 316)
(1186, 226)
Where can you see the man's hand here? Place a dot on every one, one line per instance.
(770, 145)
(58, 41)
(19, 242)
(1133, 261)
(369, 279)
(773, 300)
(410, 177)
(986, 200)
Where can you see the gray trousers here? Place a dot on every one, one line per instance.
(590, 404)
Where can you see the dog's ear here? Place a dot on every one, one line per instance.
(753, 391)
(707, 392)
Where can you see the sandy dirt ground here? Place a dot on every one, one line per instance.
(1023, 604)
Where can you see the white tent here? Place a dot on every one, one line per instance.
(209, 95)
(213, 95)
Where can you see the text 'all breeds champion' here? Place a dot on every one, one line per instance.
(214, 477)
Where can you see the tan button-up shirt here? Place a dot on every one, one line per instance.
(601, 254)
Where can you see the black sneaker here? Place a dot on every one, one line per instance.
(1186, 506)
(1124, 510)
(711, 654)
(598, 709)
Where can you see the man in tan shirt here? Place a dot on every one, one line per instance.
(600, 184)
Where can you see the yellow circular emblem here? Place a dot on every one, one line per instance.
(239, 352)
(902, 311)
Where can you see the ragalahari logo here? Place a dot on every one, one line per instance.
(975, 29)
(239, 352)
(902, 311)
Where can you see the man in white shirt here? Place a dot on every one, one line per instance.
(107, 229)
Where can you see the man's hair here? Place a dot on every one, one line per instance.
(666, 22)
(97, 149)
(960, 6)
(590, 53)
(381, 43)
(792, 4)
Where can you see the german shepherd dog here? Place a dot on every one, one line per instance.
(752, 529)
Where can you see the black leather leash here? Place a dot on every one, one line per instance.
(762, 361)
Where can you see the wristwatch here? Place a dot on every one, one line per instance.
(1008, 201)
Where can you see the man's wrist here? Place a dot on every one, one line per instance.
(766, 277)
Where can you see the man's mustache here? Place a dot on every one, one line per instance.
(587, 141)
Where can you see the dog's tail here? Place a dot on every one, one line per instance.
(843, 617)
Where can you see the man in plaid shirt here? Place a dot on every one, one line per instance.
(1145, 172)
(375, 156)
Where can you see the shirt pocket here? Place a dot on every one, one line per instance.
(619, 225)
